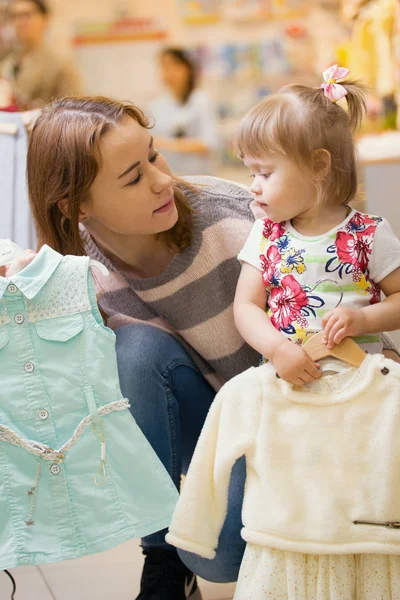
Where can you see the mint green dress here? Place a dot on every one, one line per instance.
(77, 476)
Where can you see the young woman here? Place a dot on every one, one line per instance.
(98, 186)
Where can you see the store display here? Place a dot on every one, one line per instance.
(200, 12)
(247, 11)
(120, 30)
(284, 9)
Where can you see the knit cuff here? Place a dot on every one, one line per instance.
(190, 546)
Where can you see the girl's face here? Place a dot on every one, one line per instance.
(282, 190)
(133, 191)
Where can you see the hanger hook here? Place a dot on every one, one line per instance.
(331, 281)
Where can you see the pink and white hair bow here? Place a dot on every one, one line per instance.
(332, 89)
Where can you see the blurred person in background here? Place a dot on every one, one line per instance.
(185, 129)
(37, 73)
(4, 31)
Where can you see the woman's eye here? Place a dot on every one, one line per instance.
(135, 181)
(154, 157)
(265, 175)
(139, 177)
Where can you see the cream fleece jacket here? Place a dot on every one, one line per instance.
(318, 460)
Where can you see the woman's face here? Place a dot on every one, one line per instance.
(29, 23)
(133, 192)
(174, 73)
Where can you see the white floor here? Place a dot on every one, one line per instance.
(114, 574)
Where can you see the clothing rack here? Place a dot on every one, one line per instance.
(16, 220)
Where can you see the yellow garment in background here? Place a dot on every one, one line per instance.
(372, 53)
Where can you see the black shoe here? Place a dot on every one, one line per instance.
(165, 577)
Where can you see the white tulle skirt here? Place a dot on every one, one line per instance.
(268, 574)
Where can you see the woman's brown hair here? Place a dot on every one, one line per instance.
(63, 162)
(297, 122)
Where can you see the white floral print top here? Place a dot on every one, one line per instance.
(305, 277)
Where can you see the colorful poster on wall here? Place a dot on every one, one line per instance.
(251, 61)
(275, 60)
(242, 61)
(200, 12)
(246, 11)
(201, 56)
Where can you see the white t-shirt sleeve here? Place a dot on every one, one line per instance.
(385, 255)
(251, 250)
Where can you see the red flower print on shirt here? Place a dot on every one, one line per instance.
(355, 248)
(272, 231)
(375, 292)
(360, 222)
(269, 261)
(286, 302)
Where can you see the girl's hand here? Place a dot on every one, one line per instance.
(343, 322)
(293, 364)
(18, 264)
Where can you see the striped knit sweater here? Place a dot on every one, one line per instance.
(193, 298)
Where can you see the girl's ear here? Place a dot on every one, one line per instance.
(63, 205)
(322, 163)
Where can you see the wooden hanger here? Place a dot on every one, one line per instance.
(348, 350)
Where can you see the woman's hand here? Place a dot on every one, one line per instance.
(293, 364)
(18, 264)
(343, 322)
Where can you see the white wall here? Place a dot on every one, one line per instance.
(67, 13)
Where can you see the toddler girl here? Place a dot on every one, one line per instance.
(313, 261)
(314, 264)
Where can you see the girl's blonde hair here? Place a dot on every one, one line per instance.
(297, 122)
(63, 162)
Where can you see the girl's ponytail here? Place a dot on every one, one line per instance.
(356, 101)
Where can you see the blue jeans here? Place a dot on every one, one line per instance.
(170, 399)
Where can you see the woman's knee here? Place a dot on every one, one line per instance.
(139, 360)
(224, 568)
(141, 344)
(144, 352)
